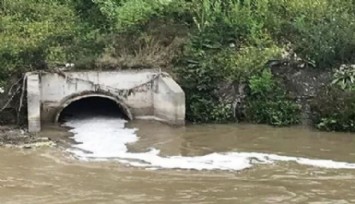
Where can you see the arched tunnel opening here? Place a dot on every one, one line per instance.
(94, 106)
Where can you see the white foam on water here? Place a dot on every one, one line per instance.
(103, 138)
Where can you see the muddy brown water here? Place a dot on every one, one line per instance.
(50, 175)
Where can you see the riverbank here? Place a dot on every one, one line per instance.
(274, 66)
(12, 136)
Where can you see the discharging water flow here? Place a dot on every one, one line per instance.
(106, 138)
(148, 162)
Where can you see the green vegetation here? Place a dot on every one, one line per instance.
(203, 43)
(334, 107)
(268, 102)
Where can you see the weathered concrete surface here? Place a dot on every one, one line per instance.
(169, 101)
(139, 94)
(34, 103)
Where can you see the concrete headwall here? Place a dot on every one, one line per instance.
(169, 101)
(57, 89)
(154, 95)
(33, 103)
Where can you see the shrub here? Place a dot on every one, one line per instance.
(204, 68)
(37, 34)
(276, 113)
(319, 31)
(334, 109)
(248, 61)
(199, 76)
(267, 102)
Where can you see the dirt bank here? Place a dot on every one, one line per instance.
(11, 136)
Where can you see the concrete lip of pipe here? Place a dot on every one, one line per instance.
(124, 108)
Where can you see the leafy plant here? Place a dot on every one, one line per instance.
(262, 85)
(276, 113)
(240, 66)
(334, 109)
(319, 31)
(268, 104)
(345, 77)
(199, 79)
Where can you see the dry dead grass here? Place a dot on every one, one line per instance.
(156, 47)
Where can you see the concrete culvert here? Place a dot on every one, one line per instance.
(155, 95)
(92, 106)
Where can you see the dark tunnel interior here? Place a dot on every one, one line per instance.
(91, 107)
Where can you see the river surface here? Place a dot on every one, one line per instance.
(149, 162)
